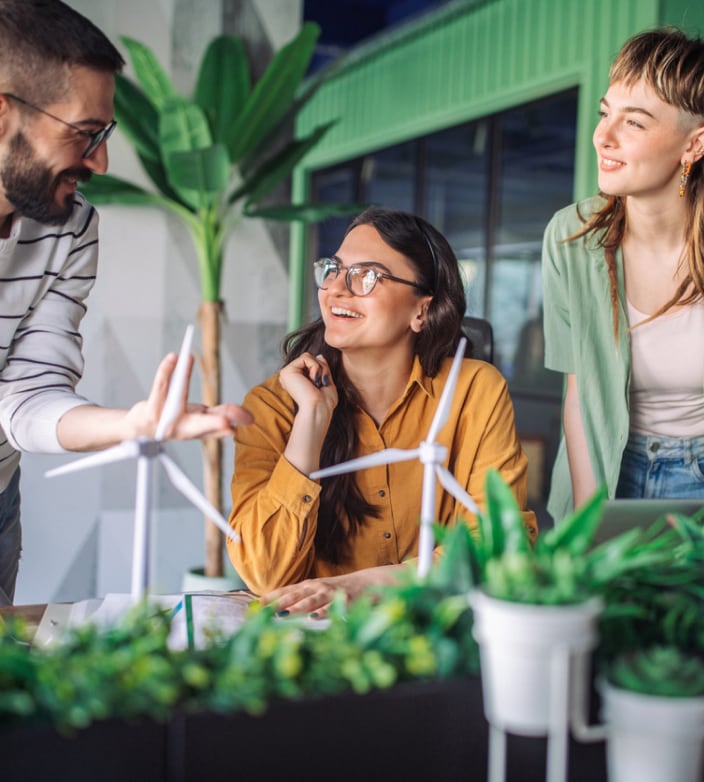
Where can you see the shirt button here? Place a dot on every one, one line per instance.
(307, 498)
(387, 535)
(382, 493)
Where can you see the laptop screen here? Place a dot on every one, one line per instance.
(622, 515)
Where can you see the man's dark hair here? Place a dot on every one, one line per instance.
(40, 40)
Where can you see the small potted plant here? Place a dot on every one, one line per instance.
(535, 612)
(653, 707)
(538, 612)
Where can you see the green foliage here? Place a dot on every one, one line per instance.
(217, 156)
(402, 633)
(500, 559)
(123, 671)
(659, 670)
(642, 574)
(651, 583)
(659, 600)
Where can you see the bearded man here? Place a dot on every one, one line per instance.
(57, 81)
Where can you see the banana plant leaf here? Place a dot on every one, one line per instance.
(273, 171)
(305, 93)
(305, 213)
(273, 94)
(223, 84)
(157, 173)
(137, 118)
(107, 189)
(183, 127)
(206, 170)
(153, 78)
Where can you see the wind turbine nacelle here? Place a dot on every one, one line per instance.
(431, 453)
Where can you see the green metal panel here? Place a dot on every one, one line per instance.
(474, 59)
(686, 14)
(470, 59)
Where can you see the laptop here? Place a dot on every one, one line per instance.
(622, 515)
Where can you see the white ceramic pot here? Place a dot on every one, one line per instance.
(529, 655)
(652, 738)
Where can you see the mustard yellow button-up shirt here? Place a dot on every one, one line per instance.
(275, 507)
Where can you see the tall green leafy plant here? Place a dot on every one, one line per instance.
(214, 159)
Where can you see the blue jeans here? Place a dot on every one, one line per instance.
(662, 467)
(10, 538)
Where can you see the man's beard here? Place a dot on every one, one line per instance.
(31, 187)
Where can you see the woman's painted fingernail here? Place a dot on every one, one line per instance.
(313, 615)
(318, 381)
(326, 380)
(284, 612)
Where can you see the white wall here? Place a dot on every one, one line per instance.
(77, 529)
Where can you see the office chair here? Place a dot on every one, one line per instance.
(480, 339)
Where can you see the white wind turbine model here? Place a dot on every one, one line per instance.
(146, 451)
(432, 455)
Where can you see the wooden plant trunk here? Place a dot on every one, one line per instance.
(209, 317)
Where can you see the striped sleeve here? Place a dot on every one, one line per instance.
(45, 277)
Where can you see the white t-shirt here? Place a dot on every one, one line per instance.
(667, 372)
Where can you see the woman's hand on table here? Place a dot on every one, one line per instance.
(314, 595)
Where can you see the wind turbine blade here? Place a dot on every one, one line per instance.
(118, 453)
(183, 483)
(172, 405)
(443, 411)
(452, 485)
(387, 456)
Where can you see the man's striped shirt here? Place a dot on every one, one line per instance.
(46, 272)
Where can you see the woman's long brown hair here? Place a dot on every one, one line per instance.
(437, 271)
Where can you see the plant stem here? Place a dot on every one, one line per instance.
(209, 317)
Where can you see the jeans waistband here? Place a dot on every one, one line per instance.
(656, 447)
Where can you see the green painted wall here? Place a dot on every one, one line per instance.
(470, 59)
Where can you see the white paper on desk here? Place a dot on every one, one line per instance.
(222, 612)
(59, 617)
(204, 614)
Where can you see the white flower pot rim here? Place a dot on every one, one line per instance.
(637, 710)
(589, 605)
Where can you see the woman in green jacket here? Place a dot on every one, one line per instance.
(623, 278)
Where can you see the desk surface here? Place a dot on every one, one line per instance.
(32, 613)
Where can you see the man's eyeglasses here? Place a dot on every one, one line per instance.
(360, 278)
(96, 138)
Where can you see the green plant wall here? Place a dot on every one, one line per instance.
(469, 59)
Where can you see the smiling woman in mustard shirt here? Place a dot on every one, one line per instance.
(366, 376)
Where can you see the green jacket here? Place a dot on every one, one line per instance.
(579, 339)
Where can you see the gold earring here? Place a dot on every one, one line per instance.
(684, 176)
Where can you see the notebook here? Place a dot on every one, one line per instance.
(622, 515)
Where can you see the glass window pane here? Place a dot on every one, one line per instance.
(388, 177)
(536, 164)
(331, 185)
(454, 199)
